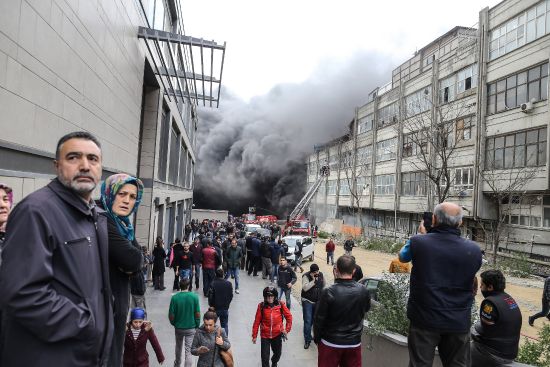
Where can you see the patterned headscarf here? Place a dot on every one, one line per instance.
(109, 189)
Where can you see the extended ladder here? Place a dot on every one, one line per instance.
(306, 199)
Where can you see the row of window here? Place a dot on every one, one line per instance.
(519, 149)
(532, 211)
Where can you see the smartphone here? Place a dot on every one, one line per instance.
(427, 219)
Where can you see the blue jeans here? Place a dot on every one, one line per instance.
(197, 268)
(235, 273)
(274, 270)
(287, 296)
(308, 310)
(185, 273)
(224, 320)
(330, 255)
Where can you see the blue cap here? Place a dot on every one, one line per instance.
(138, 314)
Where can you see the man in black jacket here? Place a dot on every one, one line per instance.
(495, 337)
(338, 322)
(545, 303)
(441, 290)
(54, 278)
(313, 283)
(286, 277)
(220, 297)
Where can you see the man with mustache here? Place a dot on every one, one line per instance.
(54, 278)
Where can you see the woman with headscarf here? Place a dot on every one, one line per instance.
(6, 201)
(120, 198)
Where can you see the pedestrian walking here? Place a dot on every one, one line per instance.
(274, 321)
(495, 337)
(545, 303)
(241, 243)
(349, 245)
(196, 249)
(210, 262)
(276, 254)
(330, 247)
(120, 198)
(159, 257)
(177, 249)
(185, 315)
(298, 256)
(138, 332)
(313, 283)
(184, 264)
(441, 290)
(209, 340)
(219, 297)
(286, 277)
(339, 316)
(56, 257)
(255, 262)
(234, 257)
(265, 253)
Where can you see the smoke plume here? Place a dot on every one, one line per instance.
(254, 153)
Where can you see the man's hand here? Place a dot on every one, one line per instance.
(253, 340)
(289, 285)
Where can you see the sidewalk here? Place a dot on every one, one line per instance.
(241, 317)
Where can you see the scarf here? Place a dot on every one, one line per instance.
(109, 190)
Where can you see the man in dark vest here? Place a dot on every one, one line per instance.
(313, 283)
(495, 337)
(441, 291)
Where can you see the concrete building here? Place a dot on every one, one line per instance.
(465, 119)
(122, 70)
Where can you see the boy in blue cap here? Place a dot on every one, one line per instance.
(135, 344)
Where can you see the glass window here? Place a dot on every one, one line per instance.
(517, 150)
(386, 150)
(158, 22)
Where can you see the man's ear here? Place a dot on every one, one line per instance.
(55, 164)
(434, 220)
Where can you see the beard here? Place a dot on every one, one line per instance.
(80, 188)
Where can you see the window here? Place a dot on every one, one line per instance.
(362, 186)
(163, 150)
(385, 150)
(415, 144)
(364, 156)
(333, 161)
(520, 149)
(313, 168)
(385, 185)
(463, 179)
(388, 115)
(519, 88)
(528, 26)
(531, 210)
(417, 102)
(447, 89)
(344, 187)
(331, 187)
(445, 134)
(183, 164)
(463, 129)
(174, 154)
(346, 160)
(365, 124)
(414, 184)
(466, 78)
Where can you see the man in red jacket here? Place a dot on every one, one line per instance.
(270, 315)
(330, 247)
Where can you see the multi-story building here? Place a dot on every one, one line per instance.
(122, 70)
(464, 120)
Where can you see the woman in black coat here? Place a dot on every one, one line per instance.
(159, 257)
(120, 198)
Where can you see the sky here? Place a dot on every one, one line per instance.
(273, 42)
(294, 73)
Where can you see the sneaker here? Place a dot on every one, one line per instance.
(237, 291)
(306, 345)
(531, 320)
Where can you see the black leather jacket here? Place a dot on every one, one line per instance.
(340, 313)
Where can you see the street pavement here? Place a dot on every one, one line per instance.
(241, 316)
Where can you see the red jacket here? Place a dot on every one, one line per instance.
(271, 320)
(135, 351)
(209, 258)
(330, 246)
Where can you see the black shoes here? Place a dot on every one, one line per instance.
(531, 320)
(306, 345)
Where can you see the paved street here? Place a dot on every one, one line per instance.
(241, 317)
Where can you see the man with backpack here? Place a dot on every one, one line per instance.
(269, 319)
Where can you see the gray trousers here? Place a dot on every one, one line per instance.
(266, 267)
(184, 335)
(454, 349)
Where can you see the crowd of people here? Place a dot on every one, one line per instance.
(73, 283)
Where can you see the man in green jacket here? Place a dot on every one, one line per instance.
(185, 316)
(234, 255)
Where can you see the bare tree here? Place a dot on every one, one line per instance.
(432, 134)
(503, 188)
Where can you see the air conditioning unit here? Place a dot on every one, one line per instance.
(526, 107)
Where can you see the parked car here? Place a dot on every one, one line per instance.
(251, 228)
(308, 248)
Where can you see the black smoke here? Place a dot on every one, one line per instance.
(254, 153)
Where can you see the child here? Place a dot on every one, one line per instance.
(135, 343)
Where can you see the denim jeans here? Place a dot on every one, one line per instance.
(286, 292)
(186, 273)
(330, 255)
(224, 320)
(235, 273)
(197, 268)
(274, 270)
(308, 310)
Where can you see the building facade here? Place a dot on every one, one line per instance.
(122, 70)
(464, 120)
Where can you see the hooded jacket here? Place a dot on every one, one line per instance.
(269, 319)
(54, 282)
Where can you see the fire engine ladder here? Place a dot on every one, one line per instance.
(306, 199)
